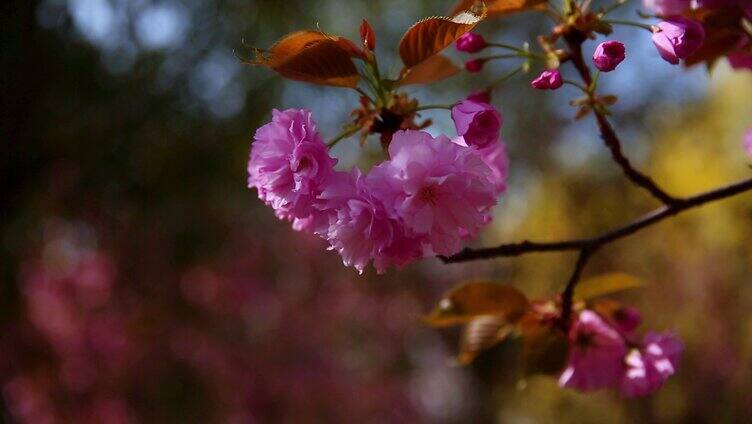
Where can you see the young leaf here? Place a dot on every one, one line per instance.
(544, 346)
(480, 334)
(367, 36)
(314, 57)
(606, 284)
(501, 7)
(433, 69)
(470, 300)
(431, 35)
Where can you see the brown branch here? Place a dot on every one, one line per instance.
(517, 249)
(568, 294)
(609, 135)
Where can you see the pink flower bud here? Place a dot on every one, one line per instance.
(470, 42)
(483, 96)
(748, 142)
(608, 55)
(477, 122)
(475, 65)
(647, 367)
(677, 38)
(548, 80)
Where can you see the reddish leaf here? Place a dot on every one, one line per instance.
(480, 334)
(431, 35)
(433, 69)
(314, 57)
(500, 7)
(470, 300)
(367, 36)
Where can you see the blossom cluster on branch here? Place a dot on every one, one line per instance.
(431, 194)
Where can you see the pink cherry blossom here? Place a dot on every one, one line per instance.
(477, 122)
(364, 229)
(748, 142)
(740, 59)
(495, 156)
(668, 7)
(677, 38)
(648, 367)
(289, 163)
(335, 192)
(440, 189)
(595, 355)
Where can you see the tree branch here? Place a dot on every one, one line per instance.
(609, 135)
(657, 215)
(568, 294)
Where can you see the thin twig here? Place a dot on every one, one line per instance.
(610, 138)
(347, 132)
(568, 294)
(657, 215)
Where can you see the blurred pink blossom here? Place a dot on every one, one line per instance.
(595, 355)
(651, 365)
(667, 7)
(289, 163)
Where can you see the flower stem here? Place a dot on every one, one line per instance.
(506, 77)
(594, 85)
(341, 136)
(629, 23)
(364, 94)
(437, 106)
(520, 51)
(614, 6)
(578, 85)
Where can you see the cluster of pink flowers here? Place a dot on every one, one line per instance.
(92, 343)
(609, 355)
(677, 37)
(70, 304)
(430, 195)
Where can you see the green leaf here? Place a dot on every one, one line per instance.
(606, 284)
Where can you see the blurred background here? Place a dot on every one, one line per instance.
(143, 282)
